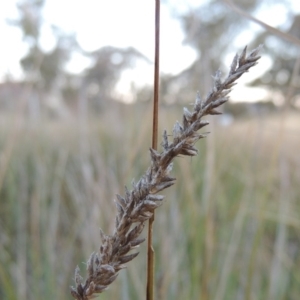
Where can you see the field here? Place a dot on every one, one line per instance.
(229, 228)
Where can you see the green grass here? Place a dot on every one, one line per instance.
(229, 228)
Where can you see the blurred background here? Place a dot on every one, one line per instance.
(75, 127)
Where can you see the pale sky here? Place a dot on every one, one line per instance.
(98, 23)
(118, 23)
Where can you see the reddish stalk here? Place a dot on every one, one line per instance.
(150, 256)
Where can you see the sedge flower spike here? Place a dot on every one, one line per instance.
(138, 204)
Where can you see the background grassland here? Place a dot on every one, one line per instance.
(229, 228)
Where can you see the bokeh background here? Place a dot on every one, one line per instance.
(75, 127)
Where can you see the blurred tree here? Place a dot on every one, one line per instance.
(44, 70)
(108, 63)
(284, 75)
(211, 30)
(40, 66)
(30, 19)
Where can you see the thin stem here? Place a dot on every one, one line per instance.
(150, 257)
(156, 77)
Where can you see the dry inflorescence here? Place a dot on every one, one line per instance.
(138, 204)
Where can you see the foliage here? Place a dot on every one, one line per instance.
(105, 71)
(283, 76)
(208, 30)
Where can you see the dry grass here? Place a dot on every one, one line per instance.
(228, 241)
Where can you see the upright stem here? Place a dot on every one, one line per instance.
(150, 260)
